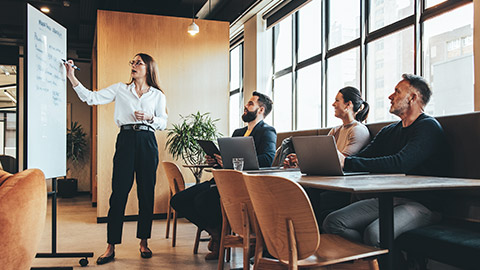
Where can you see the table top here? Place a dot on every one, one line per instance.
(197, 166)
(379, 183)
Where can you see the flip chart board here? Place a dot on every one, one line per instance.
(45, 95)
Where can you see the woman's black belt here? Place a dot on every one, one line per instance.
(137, 127)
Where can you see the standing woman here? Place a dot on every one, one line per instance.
(140, 109)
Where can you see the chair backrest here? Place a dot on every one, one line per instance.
(174, 176)
(9, 164)
(23, 208)
(233, 194)
(275, 201)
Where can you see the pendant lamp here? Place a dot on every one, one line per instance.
(193, 28)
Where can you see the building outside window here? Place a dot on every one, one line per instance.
(322, 47)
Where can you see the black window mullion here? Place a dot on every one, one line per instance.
(343, 48)
(295, 42)
(235, 91)
(391, 28)
(273, 70)
(441, 8)
(417, 39)
(364, 28)
(307, 62)
(241, 97)
(282, 72)
(324, 43)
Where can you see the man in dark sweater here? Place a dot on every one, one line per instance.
(201, 203)
(415, 145)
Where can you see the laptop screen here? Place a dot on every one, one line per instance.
(238, 147)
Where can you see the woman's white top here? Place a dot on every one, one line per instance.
(127, 102)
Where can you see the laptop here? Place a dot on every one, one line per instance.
(242, 147)
(317, 155)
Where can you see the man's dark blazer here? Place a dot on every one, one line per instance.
(265, 138)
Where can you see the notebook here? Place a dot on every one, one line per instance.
(317, 155)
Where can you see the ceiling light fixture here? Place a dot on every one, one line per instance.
(193, 28)
(9, 86)
(5, 71)
(45, 9)
(9, 95)
(66, 3)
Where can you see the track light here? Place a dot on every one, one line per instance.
(9, 95)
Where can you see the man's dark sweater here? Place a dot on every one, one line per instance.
(419, 149)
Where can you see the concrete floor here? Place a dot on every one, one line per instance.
(78, 231)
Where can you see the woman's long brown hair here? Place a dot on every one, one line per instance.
(152, 71)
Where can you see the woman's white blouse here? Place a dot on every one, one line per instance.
(127, 102)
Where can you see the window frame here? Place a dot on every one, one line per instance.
(417, 19)
(239, 44)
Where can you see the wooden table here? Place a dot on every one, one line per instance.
(383, 186)
(200, 168)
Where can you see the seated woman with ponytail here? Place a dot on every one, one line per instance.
(350, 138)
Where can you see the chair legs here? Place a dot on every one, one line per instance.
(197, 241)
(246, 238)
(174, 232)
(224, 233)
(373, 264)
(169, 213)
(229, 240)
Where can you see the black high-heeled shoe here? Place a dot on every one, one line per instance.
(104, 260)
(146, 254)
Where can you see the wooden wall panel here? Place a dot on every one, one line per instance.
(194, 75)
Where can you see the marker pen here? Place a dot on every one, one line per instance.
(75, 67)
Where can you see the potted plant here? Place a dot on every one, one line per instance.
(182, 140)
(76, 152)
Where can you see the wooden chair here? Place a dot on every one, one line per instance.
(290, 232)
(176, 184)
(237, 212)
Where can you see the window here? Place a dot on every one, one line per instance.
(451, 34)
(309, 34)
(343, 70)
(309, 99)
(282, 108)
(389, 11)
(236, 87)
(344, 24)
(283, 44)
(311, 65)
(297, 92)
(381, 79)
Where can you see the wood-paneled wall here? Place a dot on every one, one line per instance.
(194, 74)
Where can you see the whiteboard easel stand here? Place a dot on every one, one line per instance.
(46, 40)
(54, 253)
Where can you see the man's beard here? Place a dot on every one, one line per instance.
(249, 116)
(400, 107)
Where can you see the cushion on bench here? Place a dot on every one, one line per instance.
(456, 243)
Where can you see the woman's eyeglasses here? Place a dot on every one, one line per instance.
(134, 63)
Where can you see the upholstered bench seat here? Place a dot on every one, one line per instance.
(454, 243)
